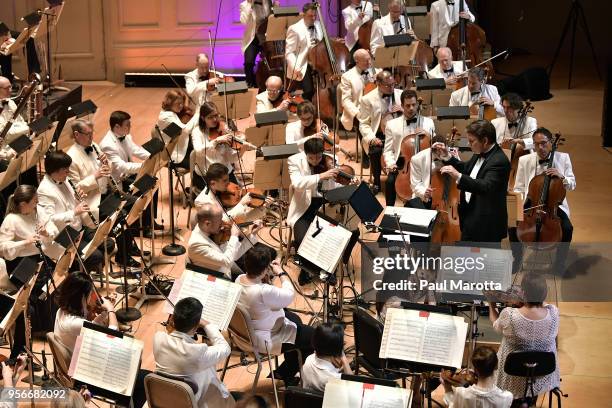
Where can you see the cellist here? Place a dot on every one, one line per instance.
(395, 132)
(535, 164)
(252, 14)
(444, 15)
(301, 37)
(506, 126)
(421, 167)
(477, 92)
(357, 13)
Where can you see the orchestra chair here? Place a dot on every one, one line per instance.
(530, 365)
(297, 397)
(166, 391)
(241, 336)
(61, 360)
(193, 191)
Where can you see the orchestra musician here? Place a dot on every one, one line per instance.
(199, 83)
(120, 149)
(171, 107)
(483, 181)
(301, 38)
(444, 15)
(307, 123)
(217, 180)
(274, 90)
(202, 249)
(477, 92)
(179, 355)
(57, 202)
(352, 84)
(395, 22)
(252, 14)
(535, 164)
(397, 129)
(355, 15)
(374, 108)
(446, 68)
(505, 126)
(421, 166)
(7, 38)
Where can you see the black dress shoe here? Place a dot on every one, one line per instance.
(130, 263)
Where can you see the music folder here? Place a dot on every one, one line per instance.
(172, 130)
(156, 145)
(353, 391)
(40, 125)
(21, 144)
(414, 221)
(67, 237)
(271, 118)
(24, 271)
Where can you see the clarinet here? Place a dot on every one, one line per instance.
(115, 183)
(80, 199)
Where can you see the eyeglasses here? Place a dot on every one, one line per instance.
(86, 133)
(544, 143)
(273, 90)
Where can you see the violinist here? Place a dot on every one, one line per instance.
(213, 142)
(201, 82)
(537, 163)
(296, 132)
(421, 166)
(506, 126)
(301, 38)
(477, 92)
(357, 13)
(252, 14)
(267, 100)
(444, 15)
(397, 129)
(446, 68)
(374, 108)
(395, 22)
(202, 249)
(309, 175)
(352, 86)
(217, 180)
(173, 105)
(483, 181)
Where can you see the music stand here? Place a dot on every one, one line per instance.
(11, 173)
(46, 25)
(398, 51)
(19, 43)
(62, 268)
(279, 22)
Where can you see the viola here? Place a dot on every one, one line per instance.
(225, 232)
(541, 222)
(294, 98)
(513, 297)
(345, 175)
(329, 141)
(224, 129)
(461, 378)
(234, 193)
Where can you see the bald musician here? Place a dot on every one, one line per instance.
(477, 92)
(301, 38)
(201, 82)
(506, 127)
(393, 23)
(252, 14)
(444, 15)
(356, 14)
(268, 98)
(446, 68)
(352, 84)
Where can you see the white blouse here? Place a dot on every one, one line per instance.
(265, 304)
(317, 372)
(16, 229)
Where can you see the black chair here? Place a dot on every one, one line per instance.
(368, 336)
(297, 397)
(530, 365)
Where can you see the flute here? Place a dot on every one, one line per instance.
(80, 199)
(115, 183)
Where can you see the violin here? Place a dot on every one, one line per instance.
(445, 198)
(461, 378)
(224, 129)
(294, 98)
(513, 297)
(225, 232)
(234, 193)
(345, 174)
(94, 304)
(329, 142)
(541, 222)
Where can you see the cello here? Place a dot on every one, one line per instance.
(364, 34)
(445, 198)
(411, 145)
(486, 112)
(541, 222)
(328, 59)
(516, 149)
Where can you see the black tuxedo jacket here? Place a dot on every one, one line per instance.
(485, 217)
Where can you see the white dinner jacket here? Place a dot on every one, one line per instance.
(396, 131)
(303, 185)
(370, 113)
(383, 27)
(296, 48)
(82, 173)
(196, 89)
(420, 173)
(248, 17)
(166, 117)
(351, 91)
(502, 131)
(56, 202)
(443, 18)
(463, 97)
(527, 166)
(239, 213)
(120, 154)
(294, 133)
(352, 21)
(436, 72)
(263, 103)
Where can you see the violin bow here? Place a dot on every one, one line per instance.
(177, 84)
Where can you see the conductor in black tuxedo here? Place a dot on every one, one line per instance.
(483, 181)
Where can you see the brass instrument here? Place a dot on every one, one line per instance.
(80, 199)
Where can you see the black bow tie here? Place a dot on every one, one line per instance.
(512, 125)
(450, 2)
(484, 155)
(311, 28)
(358, 8)
(411, 121)
(543, 161)
(204, 77)
(88, 149)
(448, 71)
(59, 183)
(475, 93)
(365, 73)
(121, 139)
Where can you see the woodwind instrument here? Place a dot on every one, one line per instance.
(114, 183)
(80, 199)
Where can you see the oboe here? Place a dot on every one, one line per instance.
(115, 183)
(80, 199)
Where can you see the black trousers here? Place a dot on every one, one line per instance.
(375, 153)
(6, 67)
(250, 55)
(308, 85)
(303, 342)
(390, 194)
(6, 61)
(96, 259)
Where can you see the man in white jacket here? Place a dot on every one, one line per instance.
(356, 14)
(444, 15)
(252, 14)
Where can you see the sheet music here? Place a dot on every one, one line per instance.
(412, 216)
(218, 296)
(105, 361)
(327, 247)
(343, 393)
(423, 337)
(497, 268)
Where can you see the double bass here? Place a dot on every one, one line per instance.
(516, 149)
(445, 199)
(328, 60)
(467, 40)
(411, 145)
(541, 222)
